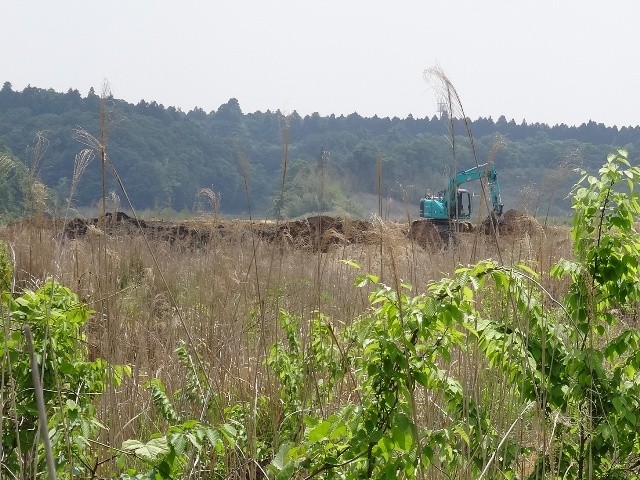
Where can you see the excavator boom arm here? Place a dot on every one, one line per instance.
(485, 170)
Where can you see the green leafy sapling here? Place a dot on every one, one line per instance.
(70, 382)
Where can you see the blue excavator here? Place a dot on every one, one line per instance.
(450, 210)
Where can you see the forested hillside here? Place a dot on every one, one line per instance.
(164, 156)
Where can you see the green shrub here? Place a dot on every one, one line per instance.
(573, 360)
(70, 383)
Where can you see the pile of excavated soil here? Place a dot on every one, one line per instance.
(317, 232)
(121, 223)
(426, 234)
(514, 222)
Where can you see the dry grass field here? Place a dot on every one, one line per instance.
(222, 300)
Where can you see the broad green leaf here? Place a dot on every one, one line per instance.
(152, 451)
(321, 431)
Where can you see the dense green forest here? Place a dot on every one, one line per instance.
(339, 164)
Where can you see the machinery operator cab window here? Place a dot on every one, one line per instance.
(464, 203)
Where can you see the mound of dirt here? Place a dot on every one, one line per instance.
(514, 222)
(318, 233)
(426, 234)
(121, 223)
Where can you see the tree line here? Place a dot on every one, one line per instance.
(335, 164)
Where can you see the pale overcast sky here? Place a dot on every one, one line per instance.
(560, 61)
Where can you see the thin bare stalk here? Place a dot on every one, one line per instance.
(286, 130)
(42, 414)
(104, 130)
(504, 439)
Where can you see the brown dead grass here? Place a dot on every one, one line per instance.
(224, 298)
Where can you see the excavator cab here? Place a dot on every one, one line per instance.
(463, 205)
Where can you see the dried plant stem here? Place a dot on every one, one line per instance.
(42, 414)
(504, 439)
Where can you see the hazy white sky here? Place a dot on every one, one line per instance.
(560, 61)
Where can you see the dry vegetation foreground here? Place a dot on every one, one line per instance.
(161, 286)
